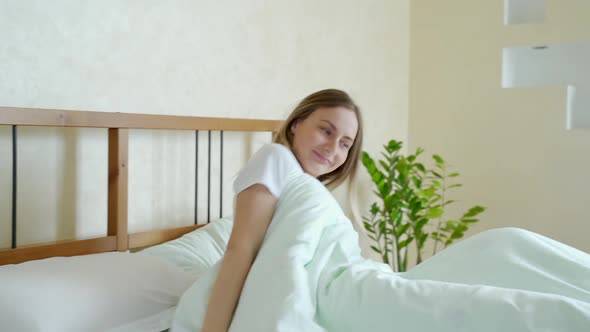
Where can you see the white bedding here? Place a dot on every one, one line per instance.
(134, 292)
(155, 323)
(309, 276)
(87, 293)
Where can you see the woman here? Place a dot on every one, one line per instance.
(517, 275)
(321, 137)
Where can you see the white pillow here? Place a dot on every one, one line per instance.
(87, 293)
(198, 250)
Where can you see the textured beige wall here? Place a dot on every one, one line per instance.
(510, 145)
(250, 59)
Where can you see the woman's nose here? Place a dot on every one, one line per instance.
(331, 145)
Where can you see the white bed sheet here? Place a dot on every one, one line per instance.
(154, 323)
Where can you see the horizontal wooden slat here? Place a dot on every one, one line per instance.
(150, 238)
(62, 248)
(61, 118)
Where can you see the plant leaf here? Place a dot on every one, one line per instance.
(421, 240)
(474, 211)
(404, 243)
(376, 249)
(438, 159)
(434, 213)
(449, 202)
(369, 228)
(402, 230)
(420, 224)
(393, 146)
(374, 209)
(457, 234)
(421, 167)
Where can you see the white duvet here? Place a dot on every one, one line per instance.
(309, 276)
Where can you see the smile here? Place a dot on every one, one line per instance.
(323, 159)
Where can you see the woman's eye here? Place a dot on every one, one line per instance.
(325, 131)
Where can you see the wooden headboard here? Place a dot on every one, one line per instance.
(118, 124)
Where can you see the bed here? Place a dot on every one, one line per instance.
(71, 274)
(308, 275)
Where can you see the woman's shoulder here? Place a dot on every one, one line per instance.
(277, 154)
(271, 165)
(274, 148)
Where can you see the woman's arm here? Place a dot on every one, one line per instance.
(255, 207)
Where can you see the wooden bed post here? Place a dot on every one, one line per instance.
(118, 182)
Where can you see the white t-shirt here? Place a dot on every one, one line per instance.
(270, 166)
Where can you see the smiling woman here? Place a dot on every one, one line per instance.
(325, 132)
(322, 137)
(321, 141)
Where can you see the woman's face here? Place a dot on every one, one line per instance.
(321, 141)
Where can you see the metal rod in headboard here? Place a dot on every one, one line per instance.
(196, 176)
(209, 176)
(14, 169)
(221, 174)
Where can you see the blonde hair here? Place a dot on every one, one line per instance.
(319, 99)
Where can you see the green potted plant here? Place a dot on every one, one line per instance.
(411, 206)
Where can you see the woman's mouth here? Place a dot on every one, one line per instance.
(321, 158)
